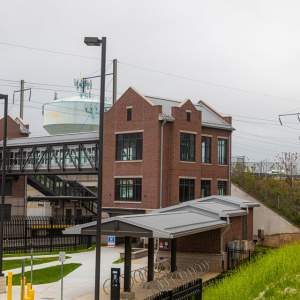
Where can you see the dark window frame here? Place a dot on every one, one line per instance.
(132, 187)
(186, 189)
(222, 188)
(206, 150)
(7, 211)
(222, 151)
(244, 227)
(129, 114)
(187, 146)
(188, 116)
(8, 187)
(205, 188)
(129, 146)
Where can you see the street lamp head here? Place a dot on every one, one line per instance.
(92, 41)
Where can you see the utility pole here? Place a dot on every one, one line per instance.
(22, 99)
(115, 62)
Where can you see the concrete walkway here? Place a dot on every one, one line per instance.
(78, 283)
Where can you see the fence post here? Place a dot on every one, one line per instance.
(170, 294)
(75, 242)
(51, 234)
(249, 256)
(25, 235)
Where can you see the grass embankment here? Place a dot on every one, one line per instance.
(276, 193)
(46, 275)
(51, 253)
(17, 263)
(274, 276)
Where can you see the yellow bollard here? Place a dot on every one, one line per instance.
(28, 289)
(31, 293)
(9, 286)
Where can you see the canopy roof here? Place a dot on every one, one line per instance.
(172, 222)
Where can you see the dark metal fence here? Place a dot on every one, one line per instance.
(191, 290)
(236, 257)
(42, 234)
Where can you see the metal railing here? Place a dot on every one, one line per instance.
(54, 185)
(164, 279)
(237, 257)
(42, 234)
(190, 290)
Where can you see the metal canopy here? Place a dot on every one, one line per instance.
(172, 222)
(169, 225)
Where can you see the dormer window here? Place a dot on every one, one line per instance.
(188, 116)
(129, 113)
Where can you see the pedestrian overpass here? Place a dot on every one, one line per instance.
(67, 154)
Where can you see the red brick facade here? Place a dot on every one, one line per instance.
(145, 119)
(210, 241)
(16, 200)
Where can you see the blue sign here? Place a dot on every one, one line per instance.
(111, 241)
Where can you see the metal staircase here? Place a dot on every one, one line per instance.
(54, 185)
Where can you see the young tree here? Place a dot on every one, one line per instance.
(287, 163)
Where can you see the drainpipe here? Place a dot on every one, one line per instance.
(229, 165)
(161, 161)
(160, 177)
(222, 235)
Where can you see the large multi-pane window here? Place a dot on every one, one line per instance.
(186, 189)
(222, 151)
(205, 188)
(187, 146)
(129, 146)
(128, 189)
(222, 187)
(206, 150)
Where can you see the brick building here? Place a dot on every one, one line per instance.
(15, 185)
(193, 142)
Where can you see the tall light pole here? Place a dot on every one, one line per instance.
(5, 97)
(94, 41)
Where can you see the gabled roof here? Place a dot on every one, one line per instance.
(184, 219)
(221, 206)
(209, 117)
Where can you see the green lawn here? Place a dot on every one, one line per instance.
(119, 261)
(46, 275)
(275, 276)
(50, 253)
(17, 263)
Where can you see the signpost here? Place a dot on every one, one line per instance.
(31, 267)
(111, 241)
(62, 259)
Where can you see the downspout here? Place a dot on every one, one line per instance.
(229, 165)
(160, 178)
(222, 235)
(161, 161)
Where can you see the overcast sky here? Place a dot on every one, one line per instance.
(242, 57)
